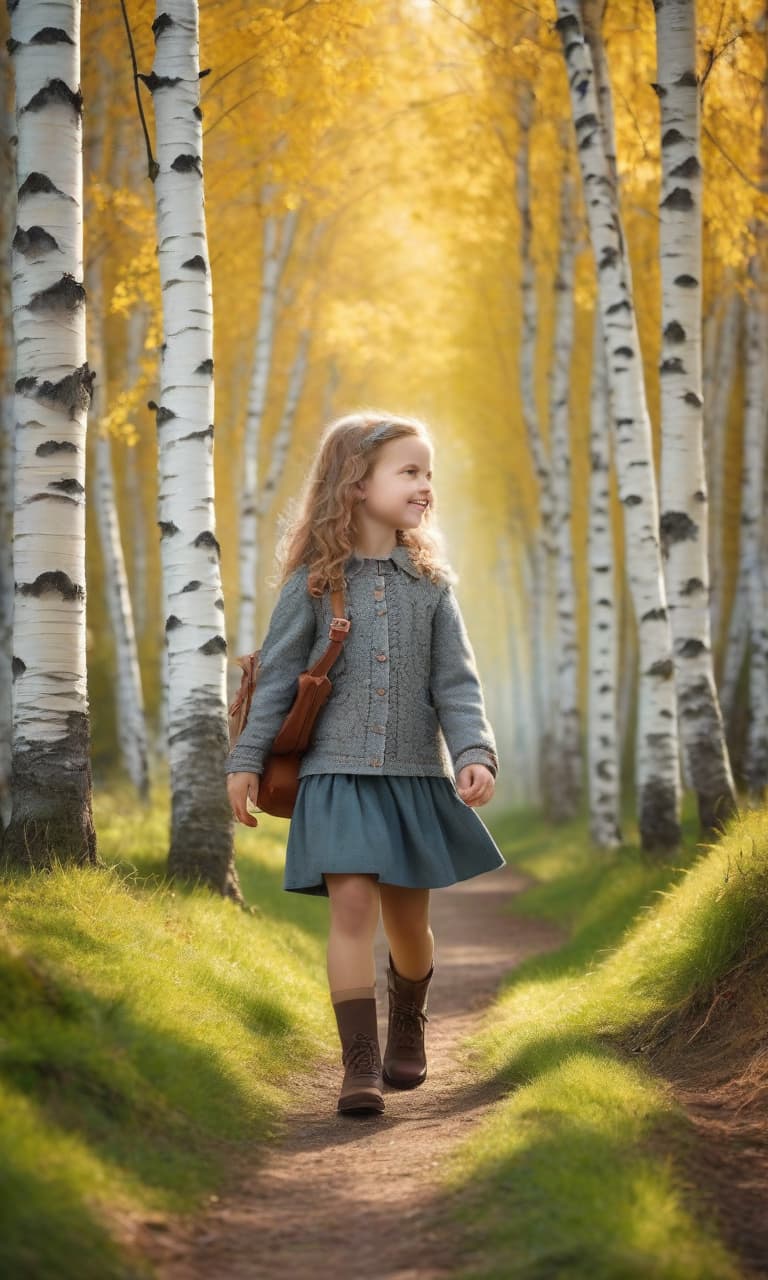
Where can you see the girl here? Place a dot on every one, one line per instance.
(378, 819)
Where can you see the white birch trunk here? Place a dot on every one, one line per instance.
(602, 727)
(7, 430)
(541, 594)
(752, 528)
(198, 742)
(51, 771)
(278, 235)
(138, 543)
(129, 703)
(684, 517)
(657, 761)
(721, 361)
(736, 648)
(567, 727)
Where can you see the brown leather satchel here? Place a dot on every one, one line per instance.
(280, 776)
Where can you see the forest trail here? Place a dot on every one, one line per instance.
(357, 1195)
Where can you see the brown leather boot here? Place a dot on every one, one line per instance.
(361, 1055)
(405, 1062)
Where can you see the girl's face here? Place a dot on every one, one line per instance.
(399, 488)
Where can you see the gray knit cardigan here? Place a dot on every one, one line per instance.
(406, 694)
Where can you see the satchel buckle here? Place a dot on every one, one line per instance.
(340, 624)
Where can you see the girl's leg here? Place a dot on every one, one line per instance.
(354, 903)
(405, 915)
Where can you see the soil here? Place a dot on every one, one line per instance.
(714, 1055)
(358, 1193)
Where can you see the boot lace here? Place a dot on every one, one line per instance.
(362, 1054)
(405, 1021)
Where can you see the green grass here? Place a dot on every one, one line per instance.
(146, 1036)
(564, 1177)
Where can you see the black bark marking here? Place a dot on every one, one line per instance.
(691, 398)
(67, 294)
(55, 91)
(618, 306)
(692, 648)
(632, 500)
(676, 526)
(217, 644)
(154, 82)
(53, 581)
(679, 198)
(186, 163)
(673, 364)
(686, 282)
(18, 667)
(196, 263)
(671, 137)
(173, 623)
(52, 35)
(72, 392)
(664, 667)
(194, 585)
(161, 23)
(207, 539)
(48, 447)
(653, 615)
(688, 168)
(67, 486)
(692, 587)
(40, 184)
(674, 332)
(34, 240)
(163, 415)
(197, 435)
(219, 603)
(205, 366)
(167, 528)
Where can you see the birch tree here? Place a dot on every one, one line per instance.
(51, 788)
(753, 523)
(129, 700)
(567, 723)
(277, 238)
(542, 550)
(657, 756)
(201, 818)
(7, 431)
(684, 516)
(721, 359)
(602, 700)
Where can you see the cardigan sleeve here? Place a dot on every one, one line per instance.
(456, 690)
(284, 655)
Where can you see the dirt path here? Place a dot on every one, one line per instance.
(356, 1195)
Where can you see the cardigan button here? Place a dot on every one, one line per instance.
(381, 657)
(381, 691)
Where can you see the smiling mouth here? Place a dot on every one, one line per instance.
(423, 505)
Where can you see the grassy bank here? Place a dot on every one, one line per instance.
(567, 1176)
(147, 1037)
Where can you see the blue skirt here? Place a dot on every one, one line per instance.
(407, 829)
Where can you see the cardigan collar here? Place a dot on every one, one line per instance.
(400, 555)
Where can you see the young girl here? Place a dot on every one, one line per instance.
(379, 819)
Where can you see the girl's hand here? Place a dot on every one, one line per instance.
(241, 786)
(475, 784)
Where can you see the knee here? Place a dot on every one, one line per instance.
(355, 906)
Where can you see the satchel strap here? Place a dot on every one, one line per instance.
(337, 633)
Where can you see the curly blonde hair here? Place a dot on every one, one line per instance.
(318, 529)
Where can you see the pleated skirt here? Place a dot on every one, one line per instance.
(407, 830)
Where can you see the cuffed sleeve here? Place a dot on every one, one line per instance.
(284, 655)
(456, 690)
